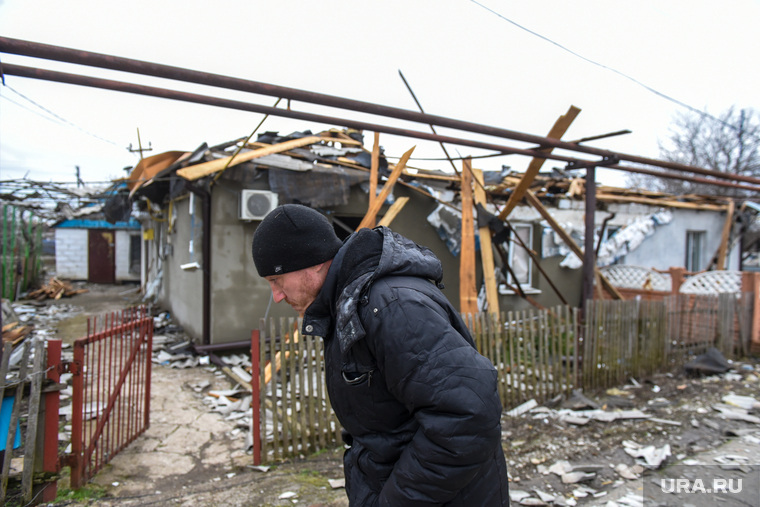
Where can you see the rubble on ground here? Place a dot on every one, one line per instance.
(575, 450)
(570, 450)
(55, 289)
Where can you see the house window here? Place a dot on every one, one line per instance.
(519, 259)
(135, 244)
(695, 244)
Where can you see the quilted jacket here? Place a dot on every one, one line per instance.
(418, 404)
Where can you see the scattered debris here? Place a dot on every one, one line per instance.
(55, 289)
(709, 363)
(521, 409)
(574, 477)
(653, 456)
(15, 332)
(744, 402)
(735, 413)
(628, 472)
(679, 415)
(337, 483)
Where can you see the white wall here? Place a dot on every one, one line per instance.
(71, 253)
(664, 249)
(123, 240)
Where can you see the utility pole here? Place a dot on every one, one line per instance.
(139, 148)
(79, 178)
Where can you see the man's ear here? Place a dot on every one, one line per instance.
(324, 267)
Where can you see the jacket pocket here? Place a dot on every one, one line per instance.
(353, 378)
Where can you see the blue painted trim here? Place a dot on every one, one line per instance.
(79, 223)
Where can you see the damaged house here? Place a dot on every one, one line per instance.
(199, 212)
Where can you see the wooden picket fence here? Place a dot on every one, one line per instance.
(533, 351)
(295, 416)
(30, 420)
(636, 338)
(538, 354)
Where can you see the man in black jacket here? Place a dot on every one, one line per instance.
(419, 404)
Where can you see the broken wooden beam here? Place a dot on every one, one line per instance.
(374, 167)
(194, 172)
(394, 210)
(371, 216)
(468, 295)
(571, 244)
(486, 249)
(557, 131)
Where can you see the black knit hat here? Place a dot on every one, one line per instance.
(293, 237)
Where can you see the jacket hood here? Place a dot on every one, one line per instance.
(366, 256)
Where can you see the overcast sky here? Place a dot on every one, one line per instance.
(516, 65)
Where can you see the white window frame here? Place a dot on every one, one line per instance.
(517, 254)
(695, 247)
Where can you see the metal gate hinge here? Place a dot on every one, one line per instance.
(73, 367)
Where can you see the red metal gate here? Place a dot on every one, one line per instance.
(111, 384)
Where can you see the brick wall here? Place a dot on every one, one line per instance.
(71, 253)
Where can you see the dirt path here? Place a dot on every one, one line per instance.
(190, 455)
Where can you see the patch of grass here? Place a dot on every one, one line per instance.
(313, 478)
(87, 493)
(320, 452)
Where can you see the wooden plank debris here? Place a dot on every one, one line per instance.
(556, 132)
(374, 167)
(394, 210)
(486, 249)
(55, 289)
(572, 245)
(197, 171)
(278, 358)
(33, 411)
(15, 332)
(671, 202)
(15, 412)
(468, 295)
(369, 218)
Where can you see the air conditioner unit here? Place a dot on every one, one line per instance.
(255, 204)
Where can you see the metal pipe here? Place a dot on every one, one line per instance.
(692, 179)
(108, 84)
(50, 52)
(62, 77)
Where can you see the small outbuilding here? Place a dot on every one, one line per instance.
(88, 247)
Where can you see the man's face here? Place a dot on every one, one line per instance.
(299, 288)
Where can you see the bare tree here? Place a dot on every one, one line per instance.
(729, 144)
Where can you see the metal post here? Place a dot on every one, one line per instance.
(589, 259)
(256, 397)
(77, 406)
(50, 463)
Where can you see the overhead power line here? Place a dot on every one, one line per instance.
(51, 113)
(606, 67)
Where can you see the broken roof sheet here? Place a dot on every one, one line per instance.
(326, 156)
